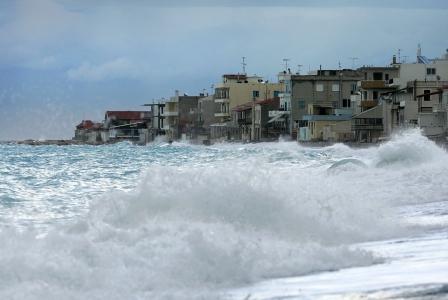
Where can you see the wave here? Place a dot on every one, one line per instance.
(191, 230)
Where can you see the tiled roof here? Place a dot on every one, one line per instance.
(85, 124)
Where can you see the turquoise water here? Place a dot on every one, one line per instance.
(225, 221)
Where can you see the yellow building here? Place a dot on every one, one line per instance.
(237, 89)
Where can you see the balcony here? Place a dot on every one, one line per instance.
(222, 114)
(245, 121)
(374, 84)
(357, 127)
(170, 114)
(367, 104)
(221, 100)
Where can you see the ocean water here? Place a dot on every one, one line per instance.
(228, 221)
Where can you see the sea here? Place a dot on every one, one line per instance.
(227, 221)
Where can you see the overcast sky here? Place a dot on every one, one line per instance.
(63, 61)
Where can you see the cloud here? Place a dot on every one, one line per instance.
(120, 68)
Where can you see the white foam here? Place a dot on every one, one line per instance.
(190, 229)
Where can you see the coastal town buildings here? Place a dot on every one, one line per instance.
(326, 105)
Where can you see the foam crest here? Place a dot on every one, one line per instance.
(409, 148)
(191, 229)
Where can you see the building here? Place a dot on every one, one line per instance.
(253, 120)
(158, 119)
(90, 132)
(181, 114)
(128, 125)
(325, 90)
(434, 124)
(367, 126)
(206, 118)
(326, 126)
(416, 91)
(375, 82)
(237, 89)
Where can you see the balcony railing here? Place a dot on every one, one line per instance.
(221, 100)
(170, 114)
(366, 104)
(245, 121)
(367, 127)
(374, 84)
(222, 114)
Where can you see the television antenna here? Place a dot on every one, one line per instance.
(353, 59)
(285, 60)
(243, 63)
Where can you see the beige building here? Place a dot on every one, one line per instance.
(237, 89)
(375, 82)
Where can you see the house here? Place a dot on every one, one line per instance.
(326, 127)
(325, 90)
(235, 90)
(90, 132)
(181, 114)
(416, 91)
(434, 124)
(374, 83)
(128, 125)
(253, 120)
(367, 126)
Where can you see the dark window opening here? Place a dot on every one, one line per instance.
(427, 96)
(377, 76)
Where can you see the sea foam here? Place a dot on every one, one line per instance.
(233, 215)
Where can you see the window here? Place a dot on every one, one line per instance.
(276, 93)
(346, 103)
(375, 95)
(377, 75)
(332, 73)
(319, 87)
(430, 71)
(255, 94)
(386, 77)
(354, 87)
(365, 95)
(335, 87)
(301, 104)
(427, 96)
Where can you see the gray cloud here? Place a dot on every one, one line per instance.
(120, 68)
(127, 47)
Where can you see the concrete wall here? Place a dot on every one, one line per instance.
(206, 109)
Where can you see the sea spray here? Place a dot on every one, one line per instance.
(202, 219)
